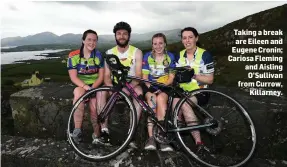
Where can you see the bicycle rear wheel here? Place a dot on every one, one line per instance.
(231, 142)
(121, 123)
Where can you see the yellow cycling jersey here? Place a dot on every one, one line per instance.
(196, 64)
(127, 58)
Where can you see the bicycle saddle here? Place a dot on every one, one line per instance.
(114, 62)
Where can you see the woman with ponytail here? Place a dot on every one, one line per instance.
(86, 71)
(154, 64)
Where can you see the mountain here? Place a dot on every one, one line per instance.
(41, 38)
(69, 38)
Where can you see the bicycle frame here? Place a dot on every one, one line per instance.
(149, 110)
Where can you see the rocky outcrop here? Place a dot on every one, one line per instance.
(43, 112)
(34, 152)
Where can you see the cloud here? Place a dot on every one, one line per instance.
(60, 17)
(12, 8)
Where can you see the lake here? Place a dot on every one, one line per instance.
(11, 57)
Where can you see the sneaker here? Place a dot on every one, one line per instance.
(105, 136)
(206, 154)
(97, 140)
(133, 145)
(150, 144)
(76, 135)
(202, 150)
(165, 147)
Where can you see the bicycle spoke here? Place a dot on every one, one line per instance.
(119, 116)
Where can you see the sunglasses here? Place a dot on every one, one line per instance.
(87, 66)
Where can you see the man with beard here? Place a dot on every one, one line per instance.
(129, 56)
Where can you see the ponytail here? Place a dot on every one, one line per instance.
(81, 50)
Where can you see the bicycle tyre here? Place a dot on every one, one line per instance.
(243, 112)
(132, 128)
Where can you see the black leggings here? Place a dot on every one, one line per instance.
(202, 98)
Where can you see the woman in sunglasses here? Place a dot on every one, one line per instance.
(86, 71)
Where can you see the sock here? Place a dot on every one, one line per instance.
(105, 130)
(77, 130)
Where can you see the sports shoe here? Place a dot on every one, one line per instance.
(205, 153)
(97, 140)
(202, 150)
(150, 144)
(105, 135)
(165, 147)
(76, 135)
(133, 145)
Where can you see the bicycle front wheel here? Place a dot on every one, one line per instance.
(120, 120)
(229, 142)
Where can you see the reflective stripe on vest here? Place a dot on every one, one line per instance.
(128, 61)
(196, 64)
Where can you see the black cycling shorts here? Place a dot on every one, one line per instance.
(202, 98)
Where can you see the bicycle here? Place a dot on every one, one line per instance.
(212, 127)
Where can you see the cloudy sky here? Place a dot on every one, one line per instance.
(22, 18)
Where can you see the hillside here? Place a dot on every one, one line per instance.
(220, 42)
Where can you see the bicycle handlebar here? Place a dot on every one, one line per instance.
(178, 68)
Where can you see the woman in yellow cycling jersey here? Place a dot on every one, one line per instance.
(154, 64)
(202, 62)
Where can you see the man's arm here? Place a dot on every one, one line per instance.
(138, 62)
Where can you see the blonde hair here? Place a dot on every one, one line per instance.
(164, 39)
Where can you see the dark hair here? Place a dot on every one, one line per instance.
(189, 29)
(122, 26)
(159, 35)
(194, 32)
(84, 37)
(89, 32)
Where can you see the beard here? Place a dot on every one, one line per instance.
(122, 45)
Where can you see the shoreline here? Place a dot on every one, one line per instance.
(45, 56)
